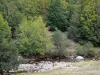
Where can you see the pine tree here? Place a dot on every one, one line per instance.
(97, 24)
(83, 22)
(74, 12)
(33, 37)
(8, 50)
(56, 16)
(87, 20)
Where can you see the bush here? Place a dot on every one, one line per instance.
(70, 48)
(85, 50)
(97, 53)
(62, 45)
(58, 39)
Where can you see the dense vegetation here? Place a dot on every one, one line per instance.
(48, 27)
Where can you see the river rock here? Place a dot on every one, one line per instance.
(79, 58)
(43, 66)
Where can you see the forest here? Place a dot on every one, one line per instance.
(48, 28)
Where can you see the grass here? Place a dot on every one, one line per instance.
(84, 68)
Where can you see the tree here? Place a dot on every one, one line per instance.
(56, 16)
(29, 8)
(8, 51)
(14, 19)
(33, 37)
(87, 19)
(11, 14)
(97, 24)
(59, 40)
(74, 12)
(7, 7)
(82, 23)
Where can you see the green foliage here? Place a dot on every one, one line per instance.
(30, 8)
(97, 53)
(79, 18)
(87, 19)
(8, 56)
(56, 16)
(59, 40)
(7, 7)
(97, 24)
(62, 45)
(14, 19)
(33, 37)
(8, 51)
(5, 32)
(74, 11)
(85, 50)
(82, 23)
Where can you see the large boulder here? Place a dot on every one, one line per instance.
(79, 58)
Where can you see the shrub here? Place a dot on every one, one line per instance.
(85, 50)
(70, 48)
(62, 45)
(97, 53)
(59, 41)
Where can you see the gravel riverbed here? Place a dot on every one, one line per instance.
(44, 66)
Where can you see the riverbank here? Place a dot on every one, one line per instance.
(83, 68)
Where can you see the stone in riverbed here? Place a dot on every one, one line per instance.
(79, 58)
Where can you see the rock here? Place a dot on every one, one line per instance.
(42, 66)
(79, 58)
